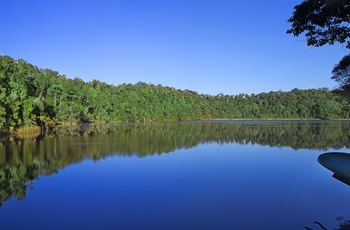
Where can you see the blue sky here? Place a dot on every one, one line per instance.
(208, 46)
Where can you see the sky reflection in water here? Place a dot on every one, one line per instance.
(209, 186)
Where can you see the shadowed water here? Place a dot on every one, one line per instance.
(190, 175)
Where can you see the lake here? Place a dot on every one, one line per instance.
(185, 175)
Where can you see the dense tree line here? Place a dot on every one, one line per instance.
(30, 95)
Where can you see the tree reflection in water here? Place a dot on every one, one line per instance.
(22, 160)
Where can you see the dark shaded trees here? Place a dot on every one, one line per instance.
(341, 73)
(325, 22)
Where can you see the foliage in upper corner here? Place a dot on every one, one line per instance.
(325, 22)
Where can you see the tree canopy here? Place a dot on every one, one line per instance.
(325, 22)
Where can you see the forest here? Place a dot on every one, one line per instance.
(31, 96)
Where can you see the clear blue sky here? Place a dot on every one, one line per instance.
(208, 46)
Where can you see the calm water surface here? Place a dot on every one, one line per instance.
(193, 175)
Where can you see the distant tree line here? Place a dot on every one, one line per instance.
(33, 96)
